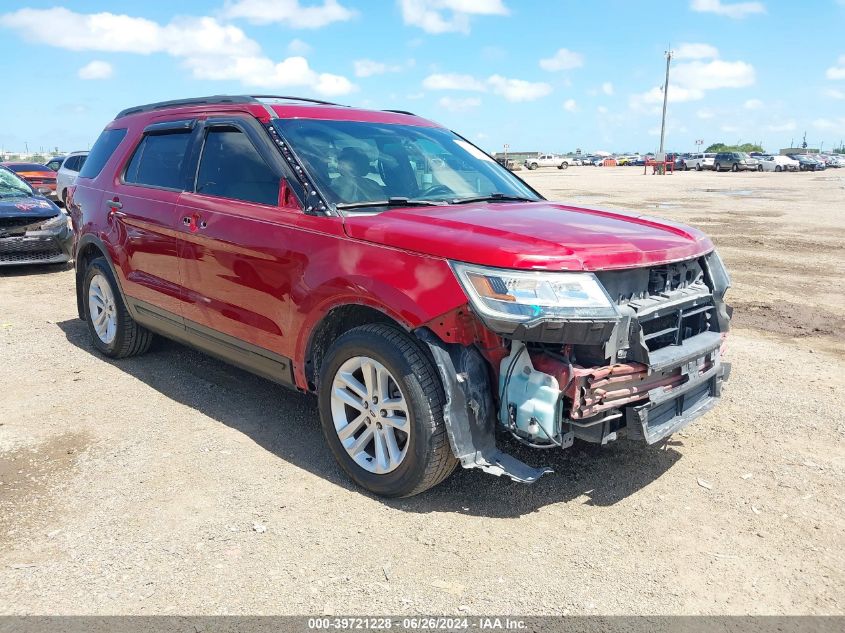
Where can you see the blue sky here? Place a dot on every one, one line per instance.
(539, 75)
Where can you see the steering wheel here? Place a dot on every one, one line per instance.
(436, 190)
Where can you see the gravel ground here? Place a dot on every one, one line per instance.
(172, 483)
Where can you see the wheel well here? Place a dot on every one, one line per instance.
(337, 322)
(84, 257)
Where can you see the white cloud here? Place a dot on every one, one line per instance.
(298, 47)
(705, 114)
(570, 106)
(368, 68)
(690, 81)
(830, 125)
(209, 49)
(288, 12)
(735, 10)
(563, 59)
(696, 51)
(459, 105)
(601, 110)
(96, 70)
(451, 81)
(447, 16)
(753, 104)
(787, 126)
(518, 89)
(838, 71)
(698, 75)
(729, 128)
(607, 88)
(833, 93)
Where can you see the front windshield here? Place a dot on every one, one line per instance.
(358, 162)
(11, 186)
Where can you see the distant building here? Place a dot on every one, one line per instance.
(798, 150)
(517, 156)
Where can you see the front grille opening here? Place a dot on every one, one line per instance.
(673, 277)
(676, 327)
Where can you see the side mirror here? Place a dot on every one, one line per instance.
(287, 198)
(44, 191)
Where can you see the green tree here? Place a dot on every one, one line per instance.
(745, 147)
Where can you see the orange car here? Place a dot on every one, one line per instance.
(40, 177)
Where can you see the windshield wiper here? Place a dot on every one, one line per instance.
(390, 202)
(493, 197)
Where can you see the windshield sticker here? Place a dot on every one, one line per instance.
(472, 150)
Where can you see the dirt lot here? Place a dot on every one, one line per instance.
(172, 483)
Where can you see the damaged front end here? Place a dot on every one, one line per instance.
(630, 353)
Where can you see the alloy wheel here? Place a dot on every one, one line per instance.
(102, 309)
(370, 415)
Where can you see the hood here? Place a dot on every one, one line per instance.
(34, 207)
(531, 235)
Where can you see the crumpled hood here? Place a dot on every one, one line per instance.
(532, 235)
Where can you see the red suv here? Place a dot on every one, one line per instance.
(424, 293)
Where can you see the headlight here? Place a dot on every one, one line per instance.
(56, 222)
(522, 296)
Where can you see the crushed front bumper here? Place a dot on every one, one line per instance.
(37, 247)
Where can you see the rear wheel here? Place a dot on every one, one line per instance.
(113, 330)
(381, 408)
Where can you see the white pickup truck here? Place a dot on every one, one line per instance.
(547, 160)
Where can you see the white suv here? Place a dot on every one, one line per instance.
(67, 173)
(700, 161)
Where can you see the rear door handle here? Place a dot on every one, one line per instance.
(194, 222)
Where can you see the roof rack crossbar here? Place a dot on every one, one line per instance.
(400, 112)
(289, 98)
(213, 100)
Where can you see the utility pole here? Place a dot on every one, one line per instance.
(665, 100)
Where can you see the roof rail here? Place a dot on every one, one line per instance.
(400, 112)
(213, 100)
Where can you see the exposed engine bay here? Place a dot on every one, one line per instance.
(645, 374)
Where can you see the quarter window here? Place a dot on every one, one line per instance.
(101, 152)
(231, 167)
(157, 161)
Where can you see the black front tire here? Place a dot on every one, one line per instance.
(735, 167)
(130, 338)
(429, 459)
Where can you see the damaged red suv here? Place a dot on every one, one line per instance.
(425, 294)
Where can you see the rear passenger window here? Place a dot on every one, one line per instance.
(231, 167)
(157, 161)
(101, 152)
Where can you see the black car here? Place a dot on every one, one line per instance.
(807, 163)
(33, 230)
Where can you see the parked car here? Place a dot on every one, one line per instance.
(320, 247)
(67, 173)
(836, 161)
(679, 163)
(547, 160)
(42, 179)
(778, 163)
(33, 230)
(735, 161)
(701, 161)
(54, 163)
(807, 163)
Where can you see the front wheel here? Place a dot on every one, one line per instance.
(778, 168)
(698, 167)
(759, 168)
(533, 166)
(113, 330)
(735, 167)
(563, 165)
(381, 409)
